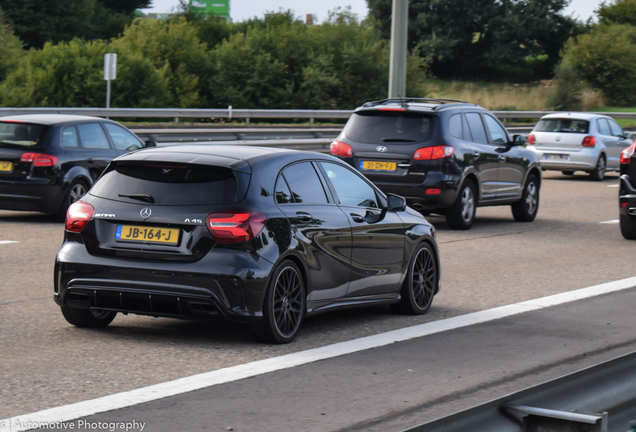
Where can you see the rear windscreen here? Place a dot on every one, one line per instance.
(563, 126)
(168, 184)
(379, 127)
(20, 134)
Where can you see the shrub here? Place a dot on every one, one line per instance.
(567, 90)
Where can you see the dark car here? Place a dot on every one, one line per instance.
(254, 235)
(627, 192)
(48, 161)
(444, 156)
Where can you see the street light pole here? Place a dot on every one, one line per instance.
(399, 35)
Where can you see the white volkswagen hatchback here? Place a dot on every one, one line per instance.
(575, 141)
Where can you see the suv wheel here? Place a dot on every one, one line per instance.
(598, 173)
(461, 214)
(525, 210)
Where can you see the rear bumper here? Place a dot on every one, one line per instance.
(39, 194)
(418, 194)
(583, 160)
(626, 196)
(226, 283)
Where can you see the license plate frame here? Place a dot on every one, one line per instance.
(366, 165)
(6, 167)
(147, 234)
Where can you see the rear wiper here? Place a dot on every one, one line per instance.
(397, 140)
(142, 197)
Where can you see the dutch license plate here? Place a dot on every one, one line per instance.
(6, 166)
(159, 235)
(378, 166)
(555, 157)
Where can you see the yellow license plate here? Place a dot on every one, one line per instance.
(378, 166)
(6, 166)
(160, 235)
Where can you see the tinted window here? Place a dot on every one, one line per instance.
(497, 133)
(304, 184)
(603, 127)
(122, 139)
(350, 187)
(283, 195)
(69, 137)
(476, 128)
(21, 134)
(168, 184)
(563, 126)
(93, 136)
(616, 129)
(375, 127)
(455, 126)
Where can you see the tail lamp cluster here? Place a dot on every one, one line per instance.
(39, 159)
(626, 155)
(435, 152)
(588, 141)
(339, 148)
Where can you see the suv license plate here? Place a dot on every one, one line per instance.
(378, 166)
(160, 235)
(6, 166)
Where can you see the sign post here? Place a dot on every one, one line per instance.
(110, 73)
(397, 66)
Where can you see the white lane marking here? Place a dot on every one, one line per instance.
(8, 242)
(612, 185)
(612, 221)
(234, 373)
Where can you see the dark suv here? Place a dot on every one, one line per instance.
(48, 161)
(444, 156)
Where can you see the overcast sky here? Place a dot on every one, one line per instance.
(241, 10)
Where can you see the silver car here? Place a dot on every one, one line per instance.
(575, 141)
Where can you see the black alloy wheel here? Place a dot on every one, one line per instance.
(284, 306)
(76, 191)
(598, 173)
(421, 283)
(525, 210)
(88, 317)
(461, 214)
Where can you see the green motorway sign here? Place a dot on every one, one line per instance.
(220, 8)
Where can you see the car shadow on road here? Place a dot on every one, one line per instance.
(27, 217)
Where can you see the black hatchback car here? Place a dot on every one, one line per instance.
(255, 235)
(48, 161)
(444, 156)
(627, 192)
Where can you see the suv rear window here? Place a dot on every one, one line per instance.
(379, 127)
(168, 184)
(563, 126)
(21, 134)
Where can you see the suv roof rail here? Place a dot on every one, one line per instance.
(406, 100)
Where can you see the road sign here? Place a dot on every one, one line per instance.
(110, 66)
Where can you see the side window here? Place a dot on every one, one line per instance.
(476, 128)
(283, 195)
(616, 129)
(351, 188)
(69, 137)
(92, 136)
(603, 127)
(455, 126)
(122, 139)
(497, 133)
(305, 184)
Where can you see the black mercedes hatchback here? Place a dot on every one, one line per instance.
(48, 161)
(444, 156)
(254, 235)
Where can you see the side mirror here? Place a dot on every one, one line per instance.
(628, 136)
(518, 140)
(395, 203)
(150, 144)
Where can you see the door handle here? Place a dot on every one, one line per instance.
(304, 217)
(89, 160)
(476, 154)
(356, 217)
(502, 158)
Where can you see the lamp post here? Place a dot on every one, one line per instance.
(399, 35)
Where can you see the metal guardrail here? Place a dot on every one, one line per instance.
(601, 398)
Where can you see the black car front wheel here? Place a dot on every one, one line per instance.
(284, 306)
(88, 317)
(525, 210)
(420, 284)
(461, 214)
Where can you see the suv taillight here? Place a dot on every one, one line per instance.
(532, 139)
(435, 152)
(78, 215)
(235, 227)
(589, 141)
(341, 149)
(627, 154)
(39, 159)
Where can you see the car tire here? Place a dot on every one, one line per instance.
(628, 226)
(76, 190)
(461, 214)
(598, 173)
(567, 172)
(525, 210)
(283, 307)
(420, 285)
(88, 317)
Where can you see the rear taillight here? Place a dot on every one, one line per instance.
(341, 149)
(235, 227)
(532, 139)
(627, 154)
(78, 215)
(435, 152)
(589, 141)
(39, 159)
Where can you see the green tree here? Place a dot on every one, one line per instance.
(606, 59)
(567, 90)
(10, 47)
(618, 12)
